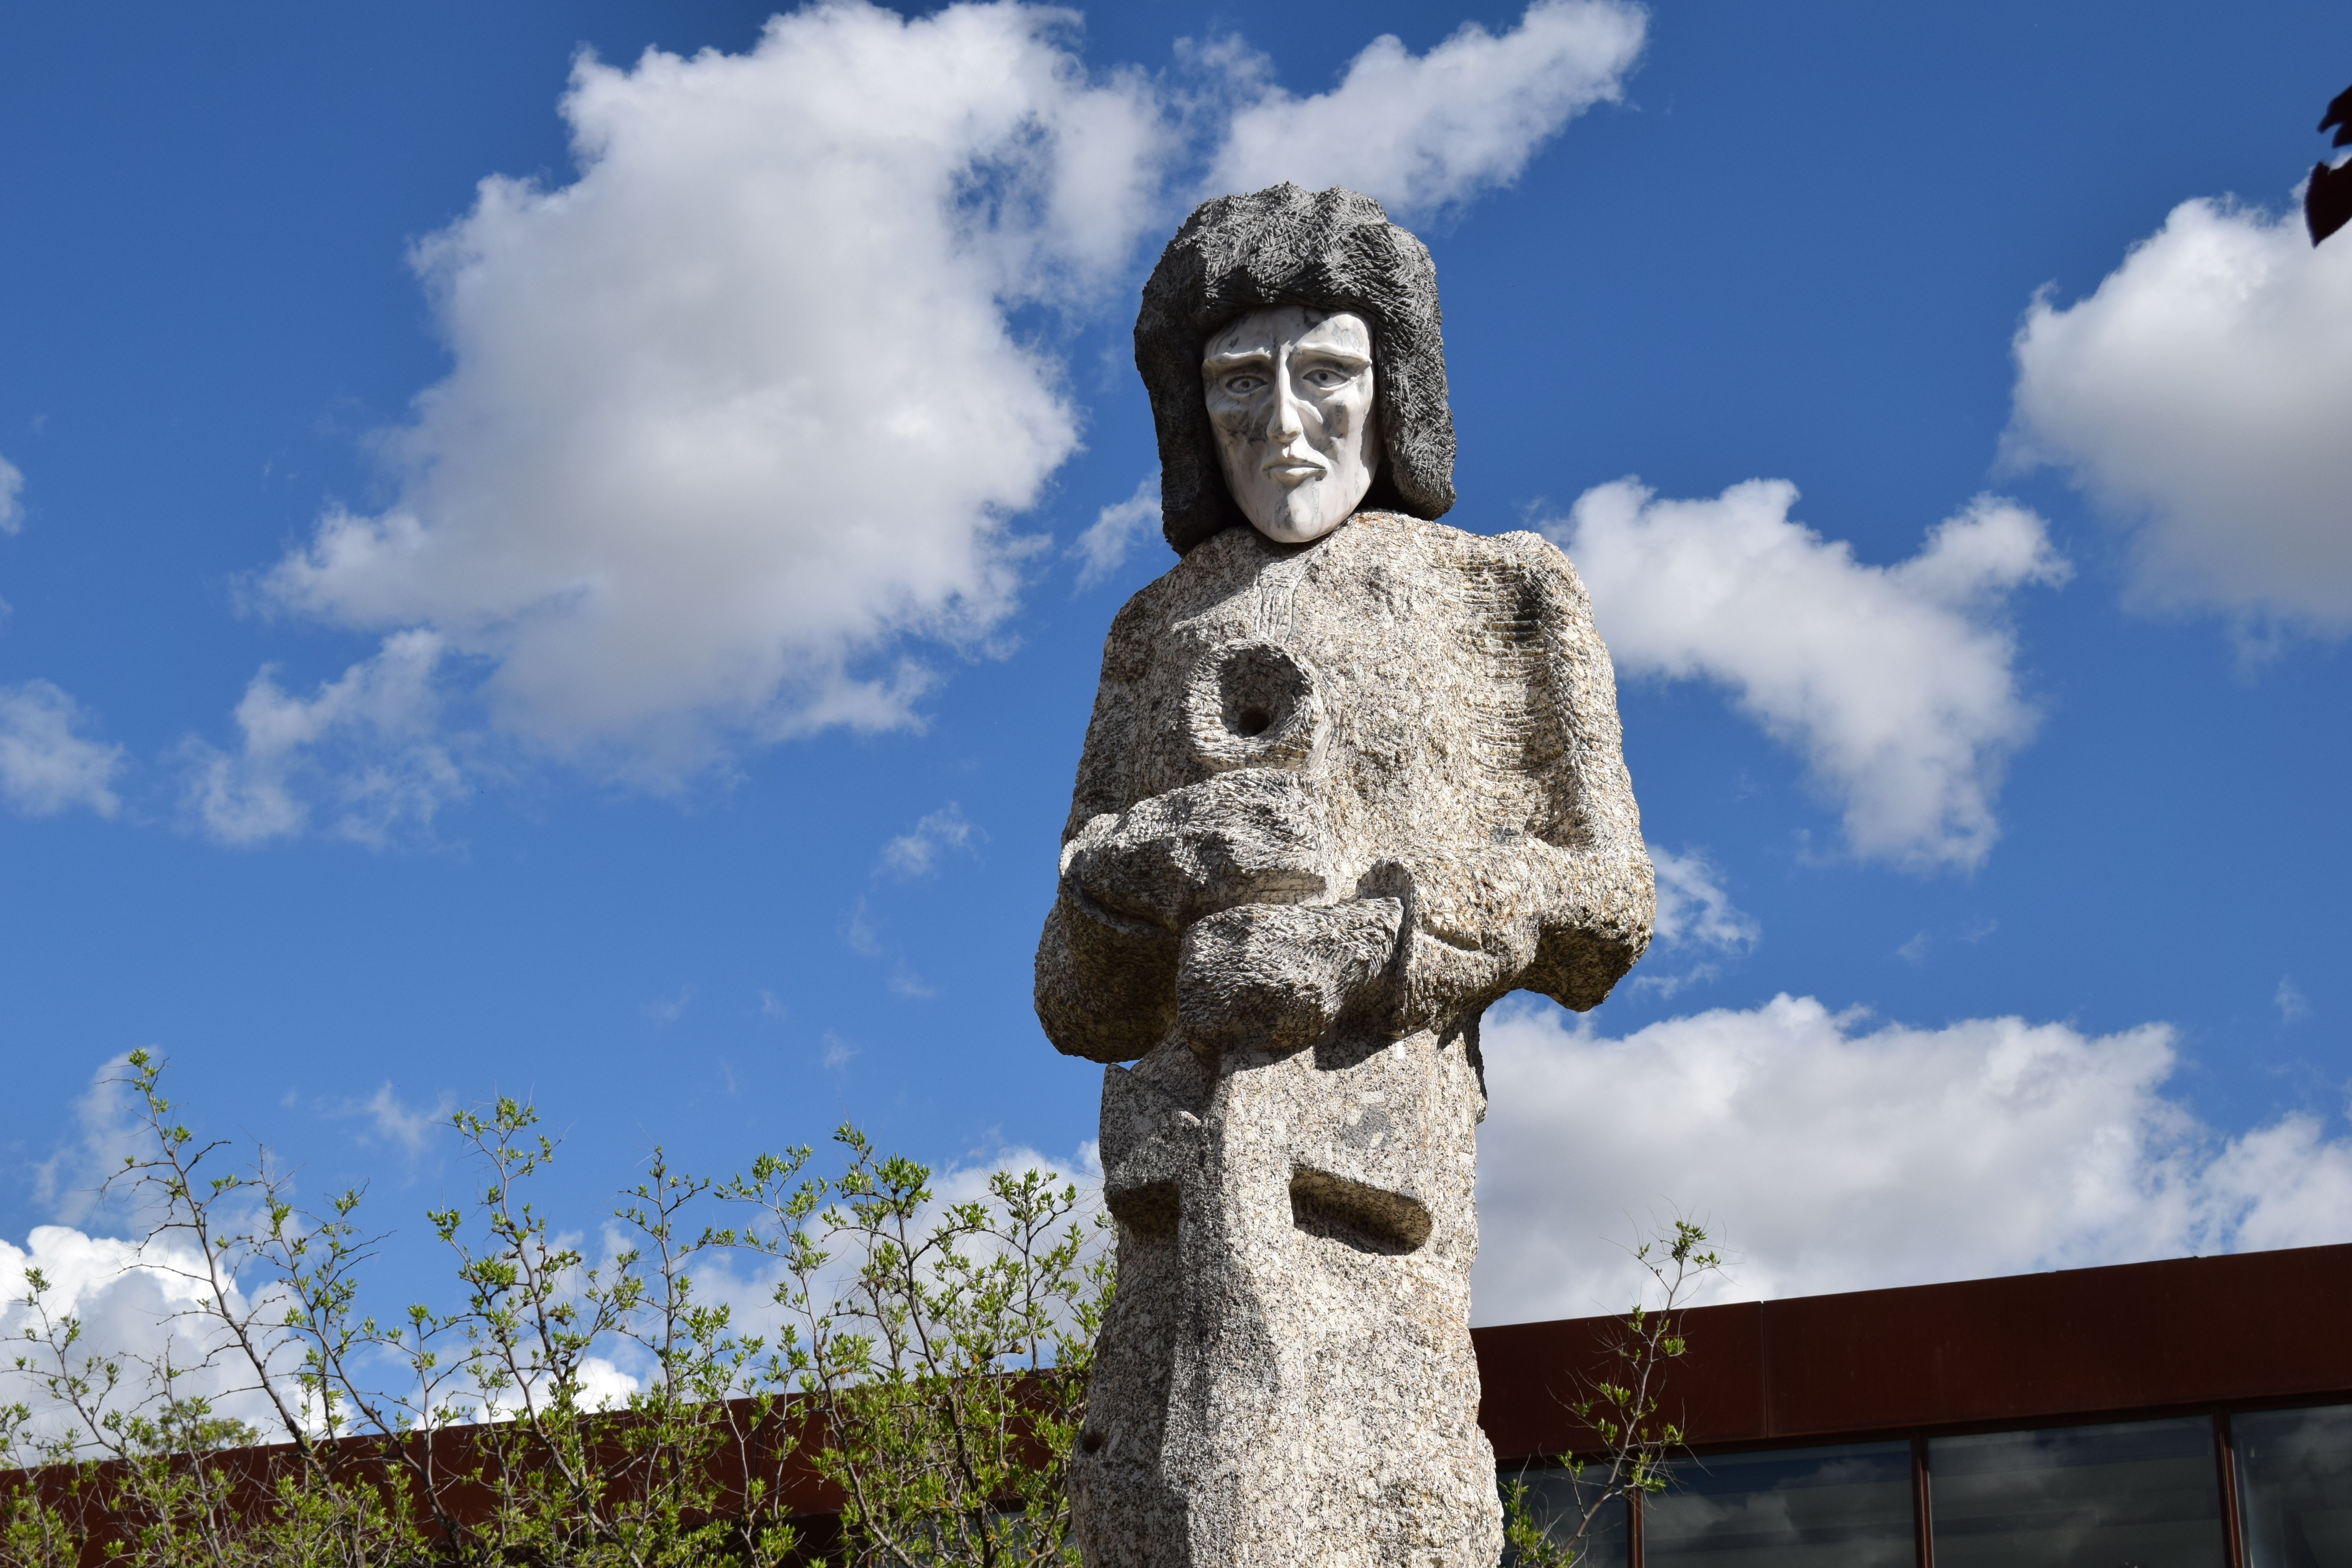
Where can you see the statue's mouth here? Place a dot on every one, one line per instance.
(1292, 471)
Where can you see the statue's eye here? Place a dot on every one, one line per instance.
(1325, 377)
(1242, 386)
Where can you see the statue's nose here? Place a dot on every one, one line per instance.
(1288, 419)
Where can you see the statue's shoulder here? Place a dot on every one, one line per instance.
(1213, 570)
(1442, 547)
(1218, 566)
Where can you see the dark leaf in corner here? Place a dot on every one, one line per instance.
(2339, 115)
(2328, 200)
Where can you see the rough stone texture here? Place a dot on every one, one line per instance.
(1335, 799)
(1331, 250)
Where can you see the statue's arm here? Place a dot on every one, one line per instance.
(1106, 982)
(1601, 897)
(1105, 985)
(1564, 907)
(1137, 874)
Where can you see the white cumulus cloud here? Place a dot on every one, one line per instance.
(365, 745)
(1427, 131)
(1695, 907)
(107, 1131)
(140, 1303)
(740, 405)
(1103, 548)
(1896, 683)
(11, 497)
(403, 1123)
(917, 851)
(1695, 915)
(740, 422)
(1833, 1155)
(2200, 394)
(47, 764)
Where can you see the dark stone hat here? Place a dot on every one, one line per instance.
(1329, 250)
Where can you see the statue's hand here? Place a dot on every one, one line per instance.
(1278, 975)
(1255, 836)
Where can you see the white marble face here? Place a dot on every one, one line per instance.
(1289, 393)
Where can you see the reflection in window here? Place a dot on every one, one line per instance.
(1552, 1502)
(2147, 1493)
(2294, 1487)
(1842, 1507)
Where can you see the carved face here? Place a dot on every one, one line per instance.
(1289, 393)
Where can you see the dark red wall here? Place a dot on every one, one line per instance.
(2184, 1333)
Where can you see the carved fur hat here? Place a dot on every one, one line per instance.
(1329, 250)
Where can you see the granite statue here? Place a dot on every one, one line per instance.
(1352, 776)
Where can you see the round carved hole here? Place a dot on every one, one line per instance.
(1253, 704)
(1091, 1442)
(1259, 685)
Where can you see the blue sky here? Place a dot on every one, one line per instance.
(622, 634)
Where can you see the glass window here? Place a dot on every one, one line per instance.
(1842, 1507)
(2147, 1493)
(1552, 1502)
(2294, 1487)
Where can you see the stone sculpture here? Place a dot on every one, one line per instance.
(1353, 776)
